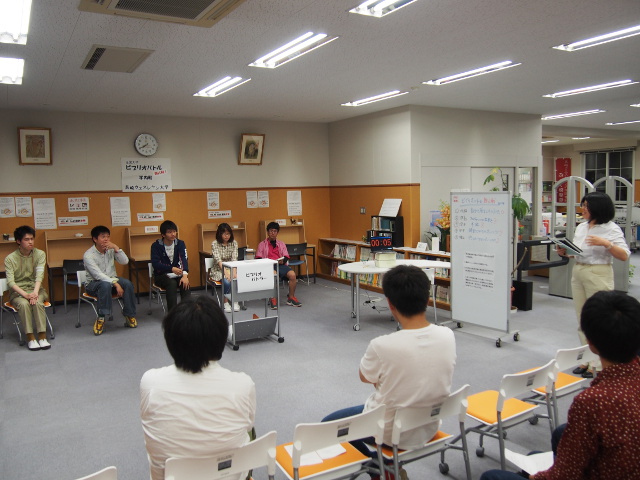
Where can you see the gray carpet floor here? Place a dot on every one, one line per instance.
(74, 409)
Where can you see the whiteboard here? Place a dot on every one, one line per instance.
(480, 258)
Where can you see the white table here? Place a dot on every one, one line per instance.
(355, 269)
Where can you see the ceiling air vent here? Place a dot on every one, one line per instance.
(201, 13)
(114, 59)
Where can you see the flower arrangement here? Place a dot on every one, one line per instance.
(444, 222)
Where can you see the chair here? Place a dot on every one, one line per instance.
(564, 384)
(155, 290)
(208, 265)
(258, 453)
(69, 268)
(298, 250)
(431, 275)
(409, 418)
(7, 307)
(83, 296)
(109, 473)
(312, 437)
(499, 410)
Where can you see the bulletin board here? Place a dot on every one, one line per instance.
(480, 258)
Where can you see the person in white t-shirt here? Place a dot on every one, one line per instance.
(412, 367)
(195, 408)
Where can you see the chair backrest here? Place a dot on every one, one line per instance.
(520, 383)
(150, 270)
(72, 266)
(208, 263)
(296, 249)
(572, 357)
(258, 453)
(3, 287)
(308, 437)
(109, 473)
(431, 274)
(242, 252)
(82, 277)
(414, 417)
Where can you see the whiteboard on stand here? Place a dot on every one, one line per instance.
(480, 258)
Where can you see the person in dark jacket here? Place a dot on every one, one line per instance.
(170, 264)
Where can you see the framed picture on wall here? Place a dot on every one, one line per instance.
(251, 149)
(35, 146)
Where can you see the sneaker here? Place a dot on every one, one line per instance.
(130, 322)
(44, 345)
(293, 301)
(236, 307)
(273, 303)
(97, 327)
(33, 345)
(227, 307)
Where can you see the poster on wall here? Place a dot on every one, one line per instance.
(78, 204)
(294, 202)
(151, 217)
(252, 199)
(263, 199)
(7, 207)
(218, 214)
(23, 207)
(44, 213)
(159, 202)
(120, 211)
(213, 200)
(563, 170)
(73, 221)
(146, 175)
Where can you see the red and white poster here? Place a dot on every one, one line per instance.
(563, 170)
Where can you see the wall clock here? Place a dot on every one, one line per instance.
(146, 144)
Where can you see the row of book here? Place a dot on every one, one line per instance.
(442, 294)
(347, 252)
(373, 279)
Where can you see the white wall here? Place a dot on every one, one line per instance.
(87, 148)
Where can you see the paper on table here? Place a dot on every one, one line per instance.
(317, 457)
(531, 464)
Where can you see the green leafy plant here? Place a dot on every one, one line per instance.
(518, 204)
(632, 271)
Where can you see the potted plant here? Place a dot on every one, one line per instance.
(444, 224)
(518, 204)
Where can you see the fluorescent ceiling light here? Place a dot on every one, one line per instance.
(11, 70)
(473, 73)
(574, 114)
(221, 86)
(549, 141)
(380, 8)
(592, 42)
(635, 105)
(580, 138)
(14, 21)
(593, 88)
(623, 123)
(296, 48)
(376, 98)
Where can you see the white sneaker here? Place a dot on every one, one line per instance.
(44, 345)
(227, 308)
(236, 307)
(33, 345)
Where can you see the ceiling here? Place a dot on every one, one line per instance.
(425, 40)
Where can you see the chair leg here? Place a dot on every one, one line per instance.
(503, 465)
(53, 335)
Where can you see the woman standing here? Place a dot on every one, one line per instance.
(224, 249)
(601, 240)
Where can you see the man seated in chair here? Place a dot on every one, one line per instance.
(195, 408)
(102, 279)
(170, 264)
(25, 271)
(601, 437)
(412, 367)
(275, 249)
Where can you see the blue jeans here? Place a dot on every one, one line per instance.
(103, 291)
(226, 286)
(361, 444)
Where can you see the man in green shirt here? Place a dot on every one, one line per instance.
(25, 271)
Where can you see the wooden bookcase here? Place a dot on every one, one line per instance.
(289, 233)
(207, 234)
(336, 251)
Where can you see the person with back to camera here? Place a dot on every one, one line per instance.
(102, 279)
(24, 270)
(600, 439)
(224, 249)
(170, 264)
(195, 408)
(276, 249)
(412, 367)
(601, 240)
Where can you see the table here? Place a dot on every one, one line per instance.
(355, 269)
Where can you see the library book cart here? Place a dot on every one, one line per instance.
(253, 280)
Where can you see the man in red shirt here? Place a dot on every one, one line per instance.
(275, 249)
(601, 439)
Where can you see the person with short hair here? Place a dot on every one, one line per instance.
(25, 271)
(412, 367)
(600, 439)
(195, 408)
(102, 279)
(170, 264)
(224, 249)
(275, 249)
(601, 240)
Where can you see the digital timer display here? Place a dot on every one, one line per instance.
(380, 243)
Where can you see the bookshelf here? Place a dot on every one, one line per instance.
(387, 227)
(289, 233)
(333, 252)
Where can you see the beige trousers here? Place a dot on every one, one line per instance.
(28, 313)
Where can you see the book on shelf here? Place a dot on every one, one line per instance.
(350, 253)
(365, 254)
(442, 294)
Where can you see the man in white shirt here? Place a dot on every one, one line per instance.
(412, 367)
(195, 408)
